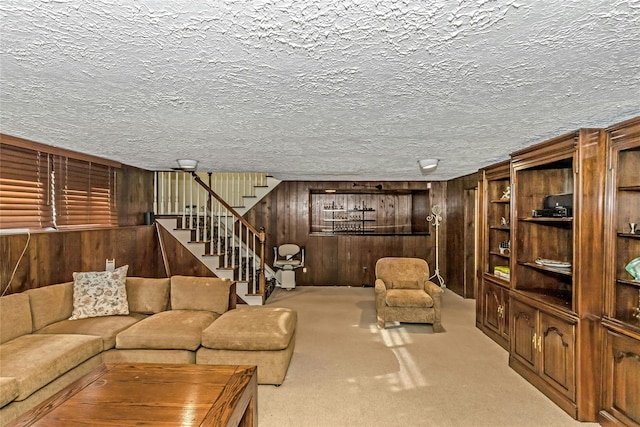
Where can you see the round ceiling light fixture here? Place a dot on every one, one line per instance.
(428, 165)
(187, 165)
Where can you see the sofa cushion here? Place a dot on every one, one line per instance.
(148, 296)
(173, 330)
(50, 304)
(8, 390)
(15, 317)
(148, 355)
(105, 327)
(251, 328)
(200, 293)
(100, 293)
(36, 360)
(408, 298)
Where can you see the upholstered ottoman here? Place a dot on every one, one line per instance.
(261, 336)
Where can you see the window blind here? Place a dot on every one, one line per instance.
(40, 189)
(24, 188)
(85, 193)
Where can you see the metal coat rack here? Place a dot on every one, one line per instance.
(435, 218)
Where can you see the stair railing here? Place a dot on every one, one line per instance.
(215, 222)
(224, 224)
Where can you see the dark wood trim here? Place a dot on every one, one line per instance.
(37, 146)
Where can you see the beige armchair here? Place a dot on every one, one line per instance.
(404, 292)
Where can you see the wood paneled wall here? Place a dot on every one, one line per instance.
(179, 260)
(458, 227)
(135, 195)
(342, 260)
(52, 257)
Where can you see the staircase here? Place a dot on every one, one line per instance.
(189, 207)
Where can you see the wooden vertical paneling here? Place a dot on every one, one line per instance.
(453, 233)
(181, 261)
(470, 248)
(52, 257)
(347, 259)
(134, 195)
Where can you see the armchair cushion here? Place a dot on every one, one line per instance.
(405, 284)
(408, 298)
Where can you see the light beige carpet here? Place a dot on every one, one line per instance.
(346, 372)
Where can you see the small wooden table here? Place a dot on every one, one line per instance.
(153, 395)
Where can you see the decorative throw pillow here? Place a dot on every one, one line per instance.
(100, 293)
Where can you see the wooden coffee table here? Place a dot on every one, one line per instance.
(153, 395)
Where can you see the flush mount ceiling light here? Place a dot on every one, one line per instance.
(428, 165)
(187, 165)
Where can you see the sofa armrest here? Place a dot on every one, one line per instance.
(380, 292)
(380, 286)
(432, 289)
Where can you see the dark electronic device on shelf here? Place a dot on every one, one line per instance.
(555, 206)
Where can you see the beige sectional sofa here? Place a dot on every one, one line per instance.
(169, 321)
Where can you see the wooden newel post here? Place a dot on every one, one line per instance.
(262, 237)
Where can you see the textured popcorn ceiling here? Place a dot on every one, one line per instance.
(315, 89)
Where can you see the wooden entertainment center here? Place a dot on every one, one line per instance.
(553, 287)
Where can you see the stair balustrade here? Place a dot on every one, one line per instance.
(239, 246)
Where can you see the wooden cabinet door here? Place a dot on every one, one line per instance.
(621, 385)
(524, 327)
(492, 301)
(557, 349)
(505, 314)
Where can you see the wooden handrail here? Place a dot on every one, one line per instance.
(260, 233)
(163, 251)
(262, 283)
(228, 207)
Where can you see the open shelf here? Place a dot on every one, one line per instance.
(501, 280)
(505, 256)
(561, 271)
(629, 235)
(628, 282)
(492, 298)
(556, 298)
(623, 293)
(370, 211)
(563, 221)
